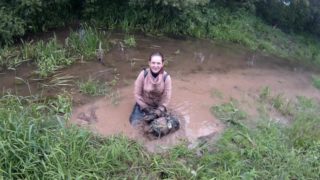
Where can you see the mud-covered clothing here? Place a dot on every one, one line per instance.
(152, 92)
(137, 115)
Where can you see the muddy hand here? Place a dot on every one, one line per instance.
(150, 117)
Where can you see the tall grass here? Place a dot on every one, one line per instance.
(37, 143)
(269, 151)
(85, 42)
(50, 57)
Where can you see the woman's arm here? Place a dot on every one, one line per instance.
(166, 96)
(138, 89)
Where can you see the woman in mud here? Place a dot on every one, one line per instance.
(152, 90)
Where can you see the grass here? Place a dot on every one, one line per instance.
(94, 87)
(130, 41)
(10, 58)
(229, 112)
(265, 93)
(214, 22)
(84, 43)
(36, 143)
(250, 31)
(278, 102)
(50, 57)
(269, 151)
(316, 81)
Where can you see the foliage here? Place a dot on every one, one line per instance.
(229, 112)
(316, 81)
(130, 41)
(305, 132)
(36, 144)
(289, 15)
(174, 3)
(19, 17)
(50, 57)
(10, 26)
(93, 87)
(269, 151)
(10, 57)
(85, 42)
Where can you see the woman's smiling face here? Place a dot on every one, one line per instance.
(156, 63)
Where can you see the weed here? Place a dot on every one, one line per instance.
(28, 51)
(93, 87)
(228, 112)
(34, 131)
(316, 81)
(130, 41)
(50, 57)
(10, 58)
(35, 143)
(85, 42)
(283, 105)
(265, 93)
(305, 129)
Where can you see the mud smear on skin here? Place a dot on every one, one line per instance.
(204, 74)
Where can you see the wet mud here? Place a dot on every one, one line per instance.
(204, 74)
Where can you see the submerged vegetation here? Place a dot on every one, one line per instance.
(93, 87)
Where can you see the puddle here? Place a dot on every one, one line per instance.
(203, 73)
(109, 119)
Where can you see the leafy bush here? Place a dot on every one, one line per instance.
(10, 26)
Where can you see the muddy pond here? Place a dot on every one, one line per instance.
(204, 73)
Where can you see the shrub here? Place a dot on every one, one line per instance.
(11, 26)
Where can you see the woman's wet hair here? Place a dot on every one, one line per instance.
(157, 54)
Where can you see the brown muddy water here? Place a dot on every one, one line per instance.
(204, 73)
